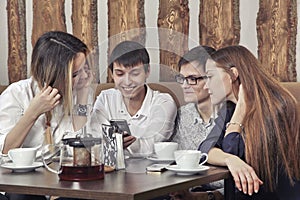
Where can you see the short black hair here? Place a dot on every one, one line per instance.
(199, 54)
(129, 53)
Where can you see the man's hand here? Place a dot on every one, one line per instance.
(128, 140)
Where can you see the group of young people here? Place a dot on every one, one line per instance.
(236, 112)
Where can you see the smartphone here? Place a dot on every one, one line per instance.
(121, 124)
(156, 168)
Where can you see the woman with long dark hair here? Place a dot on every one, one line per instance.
(264, 129)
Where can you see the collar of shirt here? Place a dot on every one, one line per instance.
(145, 108)
(34, 87)
(198, 118)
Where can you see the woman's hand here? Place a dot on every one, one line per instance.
(244, 175)
(238, 115)
(241, 103)
(44, 101)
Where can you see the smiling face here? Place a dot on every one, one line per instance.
(219, 83)
(130, 80)
(194, 93)
(81, 71)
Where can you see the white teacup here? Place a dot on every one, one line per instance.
(189, 159)
(22, 156)
(165, 150)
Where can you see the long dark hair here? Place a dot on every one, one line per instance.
(52, 62)
(272, 123)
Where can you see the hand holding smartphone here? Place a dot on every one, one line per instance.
(121, 124)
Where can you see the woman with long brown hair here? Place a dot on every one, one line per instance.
(264, 129)
(52, 101)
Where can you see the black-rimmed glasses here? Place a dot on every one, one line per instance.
(190, 80)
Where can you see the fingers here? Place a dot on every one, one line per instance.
(237, 181)
(128, 140)
(244, 183)
(49, 97)
(257, 182)
(248, 181)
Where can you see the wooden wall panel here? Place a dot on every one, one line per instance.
(276, 33)
(219, 23)
(17, 54)
(85, 27)
(173, 23)
(126, 21)
(48, 15)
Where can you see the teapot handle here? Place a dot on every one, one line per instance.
(49, 153)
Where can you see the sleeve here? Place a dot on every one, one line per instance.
(216, 135)
(99, 110)
(11, 111)
(176, 131)
(160, 128)
(233, 143)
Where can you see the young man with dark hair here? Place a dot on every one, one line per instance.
(150, 114)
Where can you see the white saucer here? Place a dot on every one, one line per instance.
(22, 168)
(153, 158)
(185, 172)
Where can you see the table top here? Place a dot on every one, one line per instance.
(131, 183)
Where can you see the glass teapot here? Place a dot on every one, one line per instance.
(77, 158)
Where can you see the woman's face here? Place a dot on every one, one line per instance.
(81, 71)
(219, 83)
(194, 93)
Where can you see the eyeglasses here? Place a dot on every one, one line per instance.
(190, 80)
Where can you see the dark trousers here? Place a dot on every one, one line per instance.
(12, 196)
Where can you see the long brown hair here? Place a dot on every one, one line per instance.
(52, 62)
(272, 139)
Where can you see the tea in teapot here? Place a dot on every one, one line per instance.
(76, 159)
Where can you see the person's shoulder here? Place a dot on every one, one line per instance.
(162, 96)
(19, 86)
(109, 92)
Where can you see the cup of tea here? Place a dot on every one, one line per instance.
(189, 159)
(165, 150)
(22, 156)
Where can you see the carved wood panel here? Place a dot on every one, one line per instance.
(276, 33)
(48, 15)
(219, 23)
(17, 55)
(85, 22)
(126, 21)
(173, 23)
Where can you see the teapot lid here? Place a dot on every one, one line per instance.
(78, 141)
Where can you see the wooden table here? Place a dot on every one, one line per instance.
(132, 183)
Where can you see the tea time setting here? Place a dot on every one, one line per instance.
(149, 100)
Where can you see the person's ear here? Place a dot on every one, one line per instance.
(235, 73)
(148, 71)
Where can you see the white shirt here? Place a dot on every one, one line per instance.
(13, 103)
(153, 122)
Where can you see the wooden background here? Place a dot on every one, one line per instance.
(219, 26)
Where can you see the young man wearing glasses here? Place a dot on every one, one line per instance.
(150, 114)
(195, 120)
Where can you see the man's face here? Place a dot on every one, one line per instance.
(129, 80)
(194, 93)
